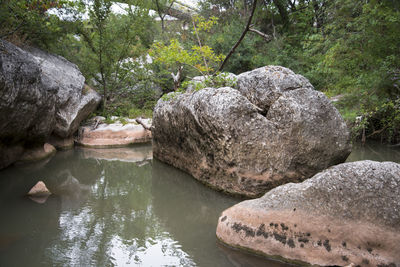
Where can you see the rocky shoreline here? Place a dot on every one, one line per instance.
(272, 137)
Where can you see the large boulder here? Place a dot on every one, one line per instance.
(120, 133)
(235, 145)
(74, 101)
(348, 214)
(40, 94)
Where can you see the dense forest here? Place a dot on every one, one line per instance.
(127, 50)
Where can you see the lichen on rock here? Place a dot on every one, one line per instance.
(346, 214)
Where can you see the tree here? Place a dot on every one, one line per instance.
(28, 22)
(163, 7)
(198, 57)
(109, 46)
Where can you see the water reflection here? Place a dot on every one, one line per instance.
(375, 151)
(119, 209)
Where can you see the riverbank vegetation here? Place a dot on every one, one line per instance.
(127, 50)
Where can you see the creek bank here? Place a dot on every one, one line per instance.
(121, 132)
(273, 129)
(346, 214)
(41, 95)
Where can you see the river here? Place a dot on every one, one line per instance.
(120, 207)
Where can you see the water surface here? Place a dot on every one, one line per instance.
(120, 207)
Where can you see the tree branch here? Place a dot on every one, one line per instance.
(141, 122)
(268, 38)
(241, 37)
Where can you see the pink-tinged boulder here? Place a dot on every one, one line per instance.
(39, 190)
(114, 135)
(348, 214)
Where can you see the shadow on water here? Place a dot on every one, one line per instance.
(118, 207)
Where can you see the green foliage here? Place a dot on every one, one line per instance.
(383, 122)
(198, 56)
(171, 95)
(31, 22)
(203, 24)
(108, 120)
(144, 113)
(216, 81)
(175, 54)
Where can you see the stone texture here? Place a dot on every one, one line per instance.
(263, 86)
(74, 100)
(40, 94)
(347, 214)
(234, 145)
(114, 135)
(27, 103)
(39, 190)
(9, 154)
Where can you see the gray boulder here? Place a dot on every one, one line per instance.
(263, 86)
(229, 143)
(27, 102)
(348, 214)
(74, 101)
(40, 94)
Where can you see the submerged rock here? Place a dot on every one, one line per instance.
(246, 142)
(349, 213)
(40, 94)
(116, 134)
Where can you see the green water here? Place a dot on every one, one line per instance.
(119, 207)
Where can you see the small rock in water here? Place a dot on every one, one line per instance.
(39, 190)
